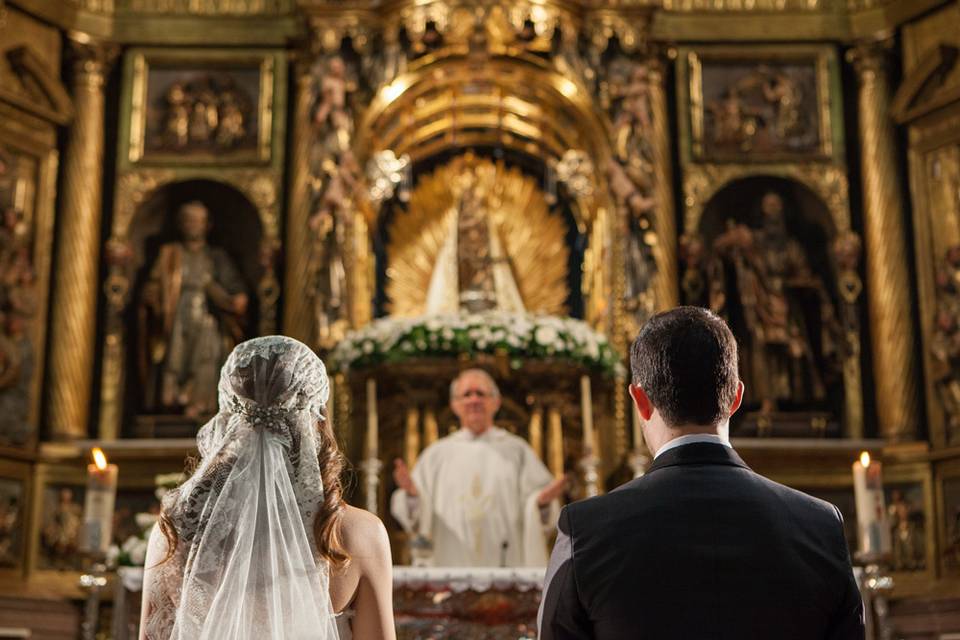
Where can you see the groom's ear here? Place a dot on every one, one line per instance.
(640, 398)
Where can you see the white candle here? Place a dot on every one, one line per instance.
(372, 428)
(873, 534)
(98, 504)
(587, 409)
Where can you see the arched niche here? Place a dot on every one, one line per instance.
(562, 206)
(808, 218)
(234, 226)
(234, 223)
(809, 223)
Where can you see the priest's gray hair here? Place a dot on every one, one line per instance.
(480, 372)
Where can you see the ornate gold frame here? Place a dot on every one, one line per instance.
(920, 473)
(137, 72)
(28, 128)
(929, 137)
(401, 117)
(692, 61)
(943, 473)
(66, 583)
(261, 187)
(259, 178)
(20, 472)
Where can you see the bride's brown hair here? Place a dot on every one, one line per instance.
(326, 524)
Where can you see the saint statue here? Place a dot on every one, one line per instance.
(906, 529)
(775, 286)
(61, 530)
(473, 272)
(192, 314)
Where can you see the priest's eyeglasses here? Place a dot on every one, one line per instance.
(477, 393)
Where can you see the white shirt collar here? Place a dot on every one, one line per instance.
(691, 439)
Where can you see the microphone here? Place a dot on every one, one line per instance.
(503, 553)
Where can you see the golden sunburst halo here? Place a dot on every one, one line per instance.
(534, 238)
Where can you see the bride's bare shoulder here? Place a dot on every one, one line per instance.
(363, 535)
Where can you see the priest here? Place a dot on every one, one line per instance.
(480, 495)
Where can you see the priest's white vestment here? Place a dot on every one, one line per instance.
(478, 501)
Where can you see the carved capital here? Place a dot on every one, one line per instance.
(91, 59)
(870, 57)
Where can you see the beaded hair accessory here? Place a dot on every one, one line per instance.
(273, 418)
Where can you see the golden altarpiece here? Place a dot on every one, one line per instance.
(412, 188)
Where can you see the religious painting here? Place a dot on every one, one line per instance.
(907, 520)
(937, 237)
(19, 297)
(753, 105)
(202, 107)
(12, 522)
(951, 524)
(61, 522)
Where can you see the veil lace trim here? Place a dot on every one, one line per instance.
(246, 564)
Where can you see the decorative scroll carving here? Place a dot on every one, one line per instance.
(334, 185)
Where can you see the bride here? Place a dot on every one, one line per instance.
(258, 542)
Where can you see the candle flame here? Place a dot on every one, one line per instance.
(865, 459)
(99, 458)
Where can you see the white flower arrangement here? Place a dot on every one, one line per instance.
(519, 335)
(133, 551)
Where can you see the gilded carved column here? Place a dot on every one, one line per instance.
(411, 436)
(666, 284)
(892, 331)
(74, 308)
(535, 434)
(296, 305)
(554, 441)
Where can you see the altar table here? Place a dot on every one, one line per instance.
(432, 603)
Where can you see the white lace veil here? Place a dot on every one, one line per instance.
(246, 566)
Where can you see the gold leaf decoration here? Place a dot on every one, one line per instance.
(533, 238)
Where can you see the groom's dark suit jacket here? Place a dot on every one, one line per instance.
(701, 547)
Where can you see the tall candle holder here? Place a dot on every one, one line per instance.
(589, 465)
(97, 529)
(638, 460)
(876, 586)
(92, 582)
(371, 479)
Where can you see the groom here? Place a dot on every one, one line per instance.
(700, 546)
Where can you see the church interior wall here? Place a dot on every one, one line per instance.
(651, 131)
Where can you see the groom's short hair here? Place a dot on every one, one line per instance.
(685, 360)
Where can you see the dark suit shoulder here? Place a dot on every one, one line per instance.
(657, 494)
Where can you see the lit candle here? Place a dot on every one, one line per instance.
(587, 409)
(873, 533)
(372, 429)
(98, 504)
